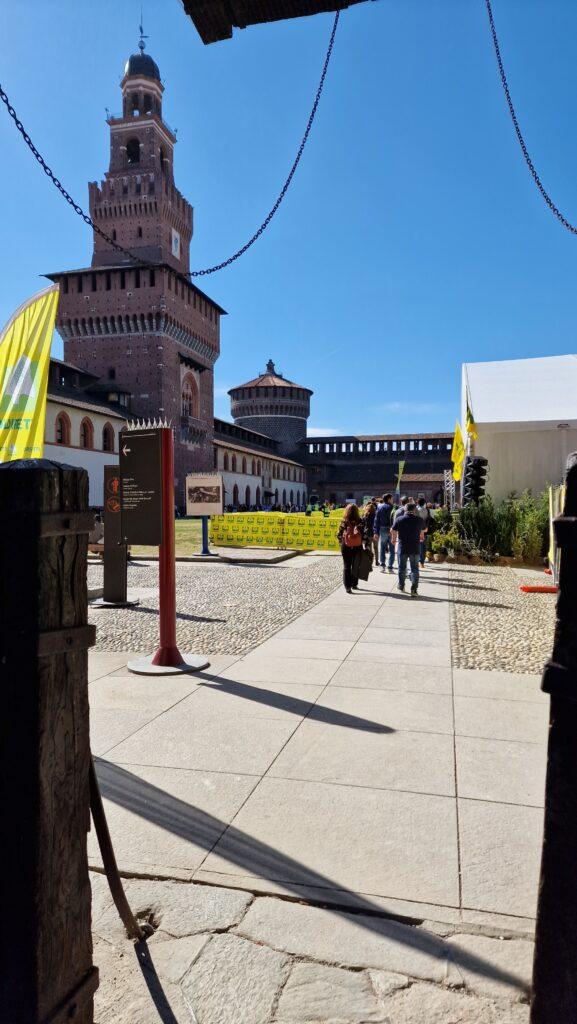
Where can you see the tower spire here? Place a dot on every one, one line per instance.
(141, 43)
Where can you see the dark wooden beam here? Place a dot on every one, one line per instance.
(215, 19)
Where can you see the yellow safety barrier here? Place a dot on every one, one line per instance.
(276, 530)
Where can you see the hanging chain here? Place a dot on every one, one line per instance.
(126, 252)
(554, 209)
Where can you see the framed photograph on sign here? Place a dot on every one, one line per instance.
(204, 494)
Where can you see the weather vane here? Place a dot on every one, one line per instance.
(141, 43)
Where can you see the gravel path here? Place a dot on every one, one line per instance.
(494, 626)
(221, 609)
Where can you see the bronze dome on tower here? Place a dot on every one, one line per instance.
(141, 64)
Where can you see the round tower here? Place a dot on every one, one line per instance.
(273, 405)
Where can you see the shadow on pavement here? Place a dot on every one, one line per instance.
(258, 858)
(153, 983)
(305, 708)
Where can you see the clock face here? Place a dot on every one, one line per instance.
(175, 244)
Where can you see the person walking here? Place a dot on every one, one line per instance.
(352, 534)
(424, 516)
(369, 513)
(382, 532)
(408, 531)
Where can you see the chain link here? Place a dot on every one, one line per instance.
(554, 209)
(126, 252)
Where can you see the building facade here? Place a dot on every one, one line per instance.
(146, 325)
(83, 423)
(348, 468)
(254, 470)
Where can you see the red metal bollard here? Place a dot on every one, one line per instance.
(167, 659)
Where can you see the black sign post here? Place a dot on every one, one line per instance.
(114, 593)
(141, 487)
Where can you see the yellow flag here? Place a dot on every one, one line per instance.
(458, 453)
(24, 361)
(471, 426)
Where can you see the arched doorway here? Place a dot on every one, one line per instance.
(284, 496)
(298, 498)
(247, 496)
(258, 495)
(235, 495)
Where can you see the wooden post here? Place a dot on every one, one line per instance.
(555, 965)
(46, 971)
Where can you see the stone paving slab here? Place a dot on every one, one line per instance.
(163, 818)
(411, 761)
(401, 654)
(501, 771)
(418, 712)
(500, 856)
(190, 736)
(499, 685)
(395, 844)
(525, 721)
(377, 675)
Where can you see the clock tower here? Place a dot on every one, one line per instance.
(147, 327)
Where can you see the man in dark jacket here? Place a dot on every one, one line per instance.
(408, 530)
(382, 532)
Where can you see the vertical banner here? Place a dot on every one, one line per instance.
(400, 476)
(458, 453)
(24, 360)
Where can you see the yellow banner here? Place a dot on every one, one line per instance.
(276, 530)
(458, 453)
(470, 425)
(24, 361)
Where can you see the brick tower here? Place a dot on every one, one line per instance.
(148, 328)
(273, 405)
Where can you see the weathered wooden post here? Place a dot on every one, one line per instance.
(46, 970)
(555, 966)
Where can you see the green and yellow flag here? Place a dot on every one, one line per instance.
(24, 361)
(458, 453)
(400, 474)
(470, 425)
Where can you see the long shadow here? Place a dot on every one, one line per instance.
(452, 583)
(316, 712)
(204, 830)
(180, 615)
(447, 600)
(153, 983)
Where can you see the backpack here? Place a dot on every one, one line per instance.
(352, 537)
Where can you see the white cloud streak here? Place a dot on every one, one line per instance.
(323, 432)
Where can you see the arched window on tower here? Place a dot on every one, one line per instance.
(189, 396)
(162, 159)
(107, 438)
(62, 429)
(133, 151)
(86, 434)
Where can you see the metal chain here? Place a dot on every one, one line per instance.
(554, 209)
(126, 252)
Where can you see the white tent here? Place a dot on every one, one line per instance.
(526, 416)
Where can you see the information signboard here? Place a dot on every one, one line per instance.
(114, 550)
(204, 494)
(141, 487)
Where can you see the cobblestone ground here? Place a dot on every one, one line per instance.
(221, 609)
(224, 956)
(494, 625)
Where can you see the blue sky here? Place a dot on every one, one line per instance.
(412, 238)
